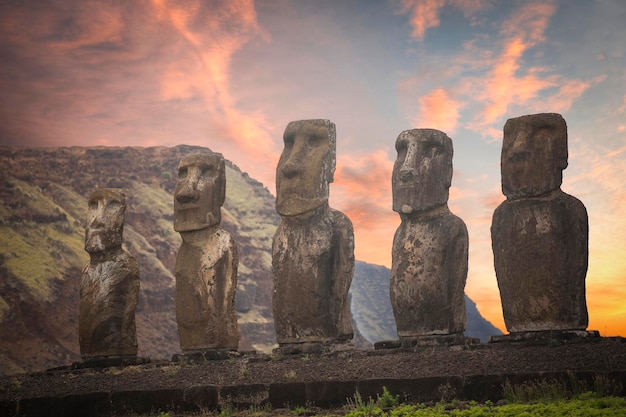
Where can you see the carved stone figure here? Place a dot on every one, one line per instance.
(539, 234)
(429, 255)
(207, 261)
(109, 286)
(313, 248)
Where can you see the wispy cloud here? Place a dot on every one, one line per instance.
(362, 190)
(157, 72)
(504, 85)
(424, 14)
(501, 74)
(438, 110)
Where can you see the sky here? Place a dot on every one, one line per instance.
(230, 75)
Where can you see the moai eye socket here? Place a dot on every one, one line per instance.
(182, 172)
(401, 145)
(208, 171)
(434, 150)
(520, 156)
(288, 140)
(114, 205)
(314, 141)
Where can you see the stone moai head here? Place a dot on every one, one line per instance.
(200, 192)
(422, 173)
(306, 166)
(105, 220)
(534, 155)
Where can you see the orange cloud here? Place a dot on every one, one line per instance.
(93, 72)
(362, 190)
(425, 13)
(504, 86)
(529, 22)
(568, 92)
(439, 111)
(211, 36)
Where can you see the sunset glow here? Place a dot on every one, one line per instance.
(230, 75)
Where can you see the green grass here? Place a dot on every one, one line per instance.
(30, 260)
(605, 406)
(38, 252)
(582, 406)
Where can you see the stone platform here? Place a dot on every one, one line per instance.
(411, 343)
(313, 347)
(546, 336)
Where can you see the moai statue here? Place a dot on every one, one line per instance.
(539, 234)
(207, 261)
(313, 248)
(429, 255)
(109, 285)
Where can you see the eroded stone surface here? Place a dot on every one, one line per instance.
(430, 247)
(109, 287)
(207, 261)
(313, 248)
(539, 234)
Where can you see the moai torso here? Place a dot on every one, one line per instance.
(206, 265)
(539, 234)
(313, 265)
(430, 247)
(429, 271)
(313, 248)
(109, 287)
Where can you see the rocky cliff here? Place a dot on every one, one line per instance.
(43, 204)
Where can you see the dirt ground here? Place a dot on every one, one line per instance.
(600, 355)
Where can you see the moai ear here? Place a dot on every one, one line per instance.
(330, 159)
(448, 178)
(221, 178)
(449, 149)
(561, 155)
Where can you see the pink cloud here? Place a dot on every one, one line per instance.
(568, 92)
(508, 84)
(424, 14)
(362, 190)
(492, 199)
(137, 73)
(438, 110)
(214, 36)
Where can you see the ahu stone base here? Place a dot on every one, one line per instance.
(546, 336)
(410, 343)
(313, 348)
(109, 361)
(208, 355)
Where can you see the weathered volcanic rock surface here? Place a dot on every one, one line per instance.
(43, 207)
(601, 356)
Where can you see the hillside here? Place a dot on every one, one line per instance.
(43, 206)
